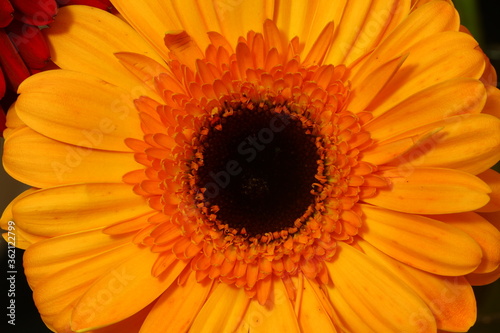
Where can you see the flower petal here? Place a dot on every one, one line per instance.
(177, 307)
(46, 257)
(277, 315)
(156, 18)
(429, 63)
(431, 191)
(237, 18)
(483, 232)
(426, 21)
(482, 279)
(86, 206)
(440, 101)
(421, 242)
(312, 314)
(223, 310)
(493, 103)
(372, 294)
(451, 299)
(367, 86)
(56, 295)
(84, 39)
(306, 20)
(15, 234)
(121, 292)
(492, 178)
(78, 109)
(361, 27)
(469, 143)
(42, 162)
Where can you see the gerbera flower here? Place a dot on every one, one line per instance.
(258, 166)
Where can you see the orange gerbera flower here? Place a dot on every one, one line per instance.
(261, 167)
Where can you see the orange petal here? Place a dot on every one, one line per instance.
(151, 20)
(431, 191)
(277, 315)
(382, 301)
(483, 232)
(366, 87)
(57, 103)
(121, 292)
(86, 206)
(223, 310)
(52, 255)
(450, 299)
(84, 39)
(421, 242)
(477, 279)
(429, 63)
(469, 143)
(312, 314)
(492, 104)
(492, 178)
(56, 295)
(14, 234)
(306, 20)
(177, 307)
(143, 67)
(426, 21)
(440, 101)
(42, 162)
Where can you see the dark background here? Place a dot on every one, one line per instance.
(488, 297)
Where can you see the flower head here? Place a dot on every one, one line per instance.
(258, 167)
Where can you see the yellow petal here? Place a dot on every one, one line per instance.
(483, 232)
(382, 301)
(46, 257)
(431, 191)
(78, 109)
(440, 101)
(469, 143)
(122, 291)
(277, 315)
(450, 299)
(177, 307)
(223, 310)
(492, 178)
(421, 242)
(84, 39)
(86, 206)
(42, 162)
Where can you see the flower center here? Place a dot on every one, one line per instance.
(258, 167)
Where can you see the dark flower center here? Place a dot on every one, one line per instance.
(258, 169)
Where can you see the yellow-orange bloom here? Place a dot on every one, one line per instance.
(258, 166)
